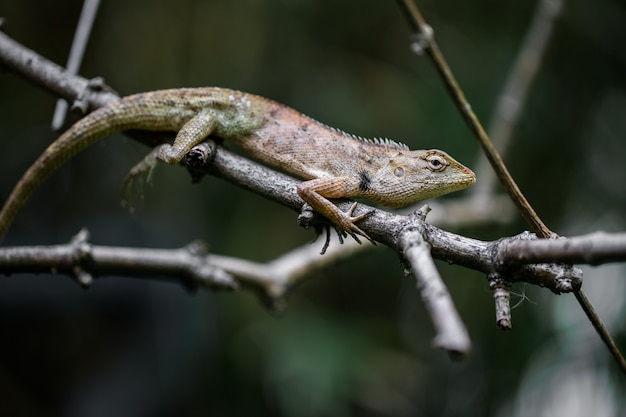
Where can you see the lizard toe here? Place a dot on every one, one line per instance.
(354, 219)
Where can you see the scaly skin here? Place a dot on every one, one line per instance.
(333, 163)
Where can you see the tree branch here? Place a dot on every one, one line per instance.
(84, 261)
(84, 94)
(593, 249)
(482, 256)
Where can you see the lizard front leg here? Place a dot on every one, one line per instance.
(193, 132)
(317, 193)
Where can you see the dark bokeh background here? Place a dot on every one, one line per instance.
(355, 339)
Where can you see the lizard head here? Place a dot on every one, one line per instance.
(412, 176)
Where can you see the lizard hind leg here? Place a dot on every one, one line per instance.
(194, 131)
(139, 175)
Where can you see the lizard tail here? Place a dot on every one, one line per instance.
(80, 135)
(102, 122)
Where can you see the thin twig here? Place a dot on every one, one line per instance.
(425, 37)
(427, 42)
(601, 329)
(81, 36)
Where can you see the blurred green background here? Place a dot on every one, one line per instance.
(355, 339)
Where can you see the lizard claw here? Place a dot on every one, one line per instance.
(348, 226)
(343, 224)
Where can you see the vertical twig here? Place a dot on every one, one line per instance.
(427, 42)
(601, 329)
(85, 23)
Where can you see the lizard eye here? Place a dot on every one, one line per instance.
(398, 172)
(436, 163)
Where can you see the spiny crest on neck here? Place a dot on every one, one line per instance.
(387, 143)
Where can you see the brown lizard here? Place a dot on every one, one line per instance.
(334, 164)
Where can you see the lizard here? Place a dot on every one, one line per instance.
(333, 164)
